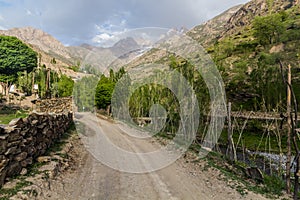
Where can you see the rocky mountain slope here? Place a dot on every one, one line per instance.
(47, 47)
(211, 30)
(50, 48)
(102, 58)
(206, 34)
(247, 12)
(249, 67)
(40, 40)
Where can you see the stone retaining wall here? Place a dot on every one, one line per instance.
(23, 140)
(54, 105)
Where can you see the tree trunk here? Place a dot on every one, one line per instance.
(288, 162)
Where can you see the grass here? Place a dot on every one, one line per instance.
(271, 187)
(6, 118)
(5, 194)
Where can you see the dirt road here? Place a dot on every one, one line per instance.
(94, 180)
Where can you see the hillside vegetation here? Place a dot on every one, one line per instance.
(249, 59)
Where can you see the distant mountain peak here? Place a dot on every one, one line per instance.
(38, 38)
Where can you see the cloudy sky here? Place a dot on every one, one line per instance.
(94, 21)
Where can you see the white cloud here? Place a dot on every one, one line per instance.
(109, 32)
(28, 12)
(74, 21)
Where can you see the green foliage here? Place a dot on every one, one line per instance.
(106, 86)
(268, 29)
(40, 79)
(53, 61)
(115, 77)
(226, 47)
(250, 72)
(65, 86)
(24, 82)
(146, 96)
(60, 85)
(6, 118)
(84, 93)
(15, 56)
(104, 92)
(75, 68)
(89, 69)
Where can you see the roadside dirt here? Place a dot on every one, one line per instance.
(90, 179)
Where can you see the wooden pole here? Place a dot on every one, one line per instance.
(230, 149)
(288, 163)
(48, 95)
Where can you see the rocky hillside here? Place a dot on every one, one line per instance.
(211, 30)
(248, 56)
(39, 40)
(48, 48)
(102, 58)
(206, 34)
(244, 16)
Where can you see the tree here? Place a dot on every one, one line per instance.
(84, 93)
(268, 29)
(65, 86)
(15, 56)
(25, 82)
(104, 92)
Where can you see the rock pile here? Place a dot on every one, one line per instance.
(54, 105)
(23, 140)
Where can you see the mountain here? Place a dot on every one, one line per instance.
(39, 39)
(211, 30)
(125, 46)
(47, 47)
(249, 63)
(249, 67)
(206, 34)
(247, 12)
(50, 48)
(103, 58)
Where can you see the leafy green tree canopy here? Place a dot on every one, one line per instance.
(65, 86)
(15, 56)
(104, 92)
(268, 29)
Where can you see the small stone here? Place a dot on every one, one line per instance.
(24, 171)
(3, 137)
(12, 150)
(13, 169)
(21, 156)
(16, 122)
(43, 159)
(26, 162)
(14, 135)
(3, 163)
(11, 144)
(34, 122)
(2, 177)
(3, 146)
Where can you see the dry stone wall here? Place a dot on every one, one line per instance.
(54, 105)
(23, 140)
